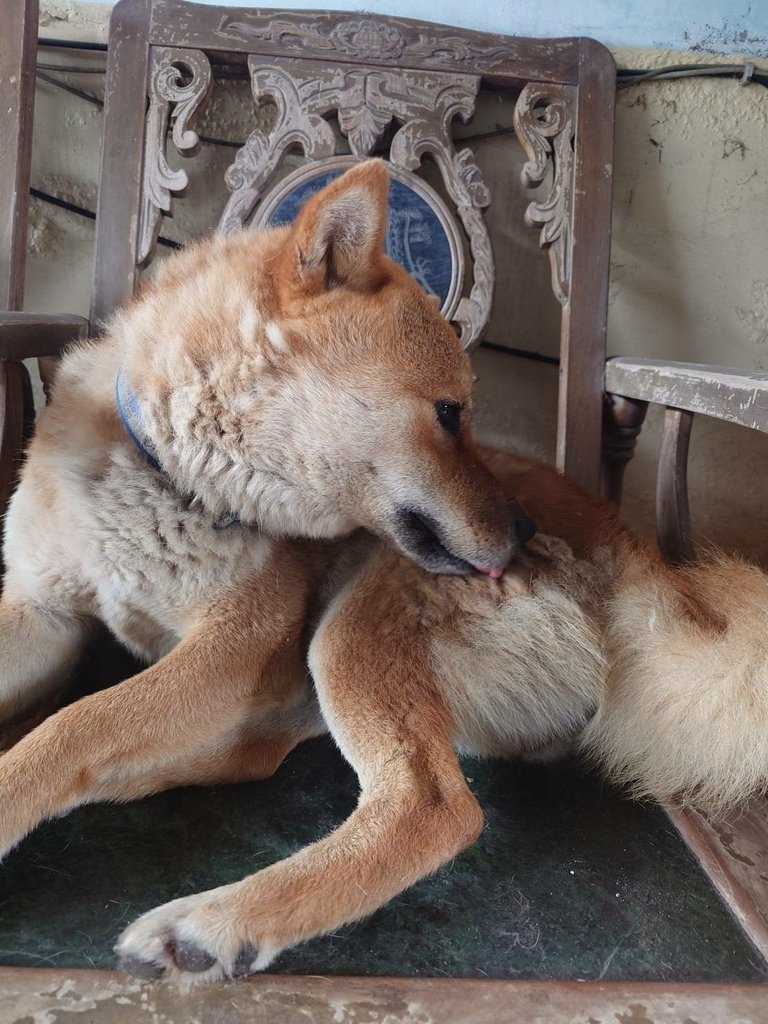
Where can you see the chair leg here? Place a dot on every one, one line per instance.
(673, 521)
(622, 422)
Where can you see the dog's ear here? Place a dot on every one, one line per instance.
(338, 236)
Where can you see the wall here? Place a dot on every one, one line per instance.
(716, 26)
(689, 268)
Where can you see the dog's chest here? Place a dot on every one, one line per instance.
(157, 561)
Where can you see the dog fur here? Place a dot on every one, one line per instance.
(299, 379)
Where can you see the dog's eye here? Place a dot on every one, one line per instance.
(449, 416)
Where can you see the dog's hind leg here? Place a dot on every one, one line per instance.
(39, 649)
(213, 683)
(385, 709)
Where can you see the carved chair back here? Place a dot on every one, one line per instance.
(375, 75)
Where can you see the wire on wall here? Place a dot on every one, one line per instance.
(82, 211)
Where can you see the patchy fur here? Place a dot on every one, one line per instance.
(293, 378)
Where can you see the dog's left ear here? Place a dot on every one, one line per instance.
(338, 236)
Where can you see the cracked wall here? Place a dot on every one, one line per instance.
(689, 274)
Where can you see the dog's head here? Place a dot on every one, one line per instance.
(305, 381)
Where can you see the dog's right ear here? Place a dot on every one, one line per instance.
(338, 237)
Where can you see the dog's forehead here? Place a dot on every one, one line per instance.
(415, 315)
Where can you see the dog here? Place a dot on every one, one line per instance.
(262, 479)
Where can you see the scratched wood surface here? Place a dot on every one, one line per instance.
(365, 39)
(733, 850)
(106, 997)
(739, 396)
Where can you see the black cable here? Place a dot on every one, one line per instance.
(69, 88)
(523, 353)
(63, 204)
(100, 104)
(71, 69)
(745, 72)
(82, 211)
(70, 44)
(230, 143)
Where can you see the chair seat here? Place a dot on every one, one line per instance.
(739, 396)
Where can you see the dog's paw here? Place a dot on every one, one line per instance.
(193, 939)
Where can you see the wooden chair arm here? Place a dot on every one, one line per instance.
(739, 396)
(27, 335)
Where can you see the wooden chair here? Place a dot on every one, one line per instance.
(162, 56)
(21, 334)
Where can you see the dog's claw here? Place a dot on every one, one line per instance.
(244, 961)
(192, 958)
(145, 970)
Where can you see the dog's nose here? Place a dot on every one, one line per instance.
(525, 529)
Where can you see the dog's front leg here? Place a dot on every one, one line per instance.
(415, 813)
(103, 746)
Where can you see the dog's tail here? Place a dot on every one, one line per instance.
(684, 714)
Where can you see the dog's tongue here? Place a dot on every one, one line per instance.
(495, 572)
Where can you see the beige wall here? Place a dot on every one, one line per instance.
(689, 268)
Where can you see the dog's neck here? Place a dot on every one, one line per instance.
(231, 486)
(129, 410)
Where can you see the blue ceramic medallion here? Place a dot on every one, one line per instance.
(416, 235)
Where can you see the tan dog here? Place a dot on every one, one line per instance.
(298, 384)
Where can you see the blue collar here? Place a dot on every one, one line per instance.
(132, 418)
(130, 413)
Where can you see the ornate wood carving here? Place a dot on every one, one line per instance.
(298, 124)
(366, 101)
(179, 88)
(365, 38)
(430, 132)
(544, 122)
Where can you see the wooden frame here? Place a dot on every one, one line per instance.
(108, 997)
(564, 120)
